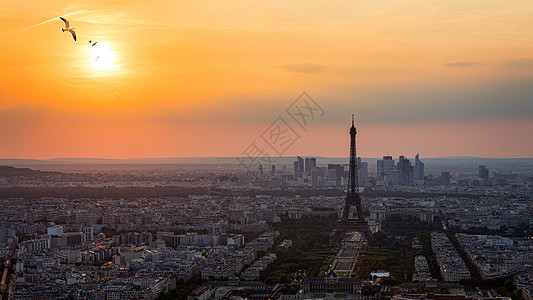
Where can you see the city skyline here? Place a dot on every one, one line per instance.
(206, 79)
(236, 149)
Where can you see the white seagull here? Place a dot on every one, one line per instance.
(68, 28)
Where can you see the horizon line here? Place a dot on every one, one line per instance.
(228, 157)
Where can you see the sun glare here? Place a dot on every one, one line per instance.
(101, 56)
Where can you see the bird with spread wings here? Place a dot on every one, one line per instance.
(68, 28)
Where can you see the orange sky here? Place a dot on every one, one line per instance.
(206, 78)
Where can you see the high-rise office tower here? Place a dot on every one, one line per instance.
(298, 167)
(380, 167)
(339, 169)
(322, 172)
(273, 170)
(484, 173)
(363, 173)
(332, 174)
(310, 165)
(404, 168)
(314, 177)
(385, 167)
(419, 168)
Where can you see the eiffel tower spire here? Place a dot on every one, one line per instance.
(353, 160)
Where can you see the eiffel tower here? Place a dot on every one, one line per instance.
(345, 224)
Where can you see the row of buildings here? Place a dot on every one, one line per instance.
(497, 256)
(452, 267)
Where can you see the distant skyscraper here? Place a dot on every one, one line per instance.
(445, 178)
(339, 169)
(332, 174)
(419, 168)
(385, 168)
(260, 170)
(484, 173)
(386, 165)
(380, 167)
(273, 170)
(298, 167)
(363, 173)
(404, 169)
(314, 177)
(310, 165)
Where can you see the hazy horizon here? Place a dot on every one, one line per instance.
(233, 157)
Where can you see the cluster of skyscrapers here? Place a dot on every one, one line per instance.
(302, 166)
(402, 173)
(389, 172)
(306, 171)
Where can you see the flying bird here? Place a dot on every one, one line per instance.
(68, 28)
(92, 43)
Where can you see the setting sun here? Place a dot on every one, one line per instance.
(101, 56)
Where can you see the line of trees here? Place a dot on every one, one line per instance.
(310, 252)
(391, 250)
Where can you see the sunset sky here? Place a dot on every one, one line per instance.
(207, 78)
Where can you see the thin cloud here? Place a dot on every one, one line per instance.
(110, 17)
(55, 18)
(304, 68)
(462, 64)
(104, 17)
(66, 84)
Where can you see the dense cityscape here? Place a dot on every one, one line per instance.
(211, 232)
